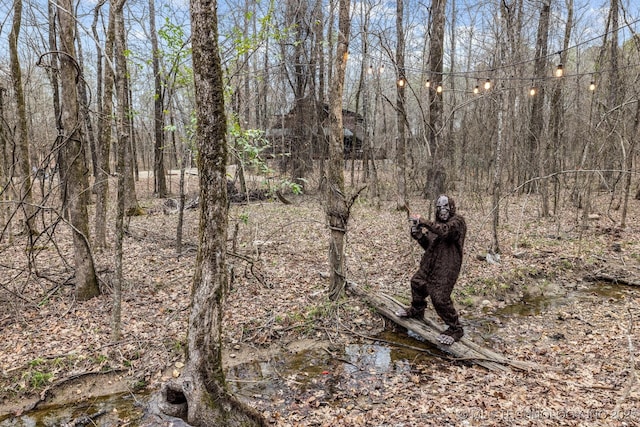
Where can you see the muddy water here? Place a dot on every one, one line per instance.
(106, 411)
(318, 374)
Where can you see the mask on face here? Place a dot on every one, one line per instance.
(443, 210)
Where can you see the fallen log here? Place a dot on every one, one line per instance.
(463, 350)
(613, 278)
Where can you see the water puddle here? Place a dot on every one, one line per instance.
(539, 304)
(107, 411)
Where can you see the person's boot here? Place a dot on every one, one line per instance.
(411, 312)
(451, 335)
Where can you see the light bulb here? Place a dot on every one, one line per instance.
(532, 91)
(401, 82)
(370, 70)
(476, 89)
(592, 86)
(487, 85)
(427, 84)
(559, 71)
(439, 89)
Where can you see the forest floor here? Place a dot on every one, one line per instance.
(533, 304)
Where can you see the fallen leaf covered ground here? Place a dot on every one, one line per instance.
(534, 304)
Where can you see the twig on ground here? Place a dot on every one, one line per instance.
(633, 376)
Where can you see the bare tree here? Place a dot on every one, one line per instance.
(73, 176)
(338, 206)
(203, 384)
(22, 168)
(160, 180)
(536, 139)
(103, 141)
(401, 119)
(436, 176)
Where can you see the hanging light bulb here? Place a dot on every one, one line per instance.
(370, 70)
(559, 71)
(487, 84)
(427, 84)
(476, 89)
(345, 56)
(532, 91)
(400, 82)
(382, 69)
(592, 86)
(439, 89)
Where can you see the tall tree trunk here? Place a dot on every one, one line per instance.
(436, 175)
(87, 130)
(536, 139)
(555, 157)
(4, 170)
(337, 204)
(401, 144)
(74, 178)
(22, 169)
(203, 383)
(103, 144)
(159, 176)
(614, 95)
(123, 142)
(125, 131)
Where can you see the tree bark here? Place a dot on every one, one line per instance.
(125, 131)
(103, 142)
(436, 175)
(536, 139)
(22, 168)
(203, 383)
(74, 178)
(160, 180)
(401, 144)
(337, 205)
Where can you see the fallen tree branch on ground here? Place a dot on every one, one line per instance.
(463, 350)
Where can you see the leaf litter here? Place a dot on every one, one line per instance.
(532, 305)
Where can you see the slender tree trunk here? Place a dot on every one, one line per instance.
(123, 142)
(203, 382)
(436, 175)
(536, 139)
(103, 145)
(125, 131)
(86, 116)
(74, 177)
(160, 180)
(4, 170)
(401, 144)
(337, 205)
(557, 130)
(22, 169)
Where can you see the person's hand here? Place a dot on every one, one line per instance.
(416, 228)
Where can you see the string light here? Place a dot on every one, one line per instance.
(559, 71)
(592, 86)
(370, 70)
(439, 89)
(382, 69)
(427, 84)
(476, 89)
(400, 82)
(487, 84)
(532, 91)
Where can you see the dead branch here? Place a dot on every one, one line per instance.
(463, 350)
